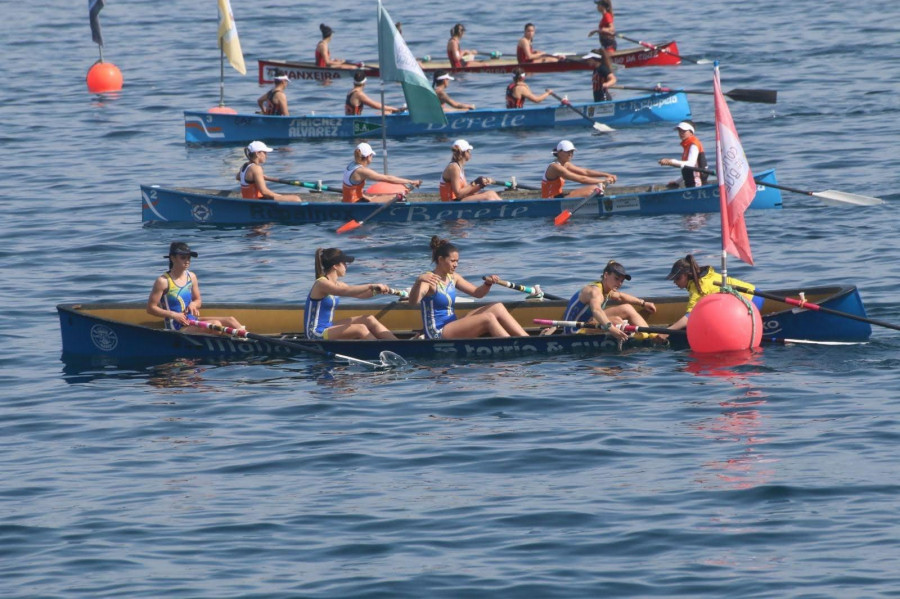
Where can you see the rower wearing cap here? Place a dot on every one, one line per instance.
(603, 77)
(699, 281)
(606, 29)
(562, 169)
(440, 82)
(454, 186)
(358, 171)
(318, 313)
(518, 91)
(253, 180)
(275, 101)
(525, 53)
(590, 305)
(175, 296)
(357, 98)
(691, 156)
(323, 53)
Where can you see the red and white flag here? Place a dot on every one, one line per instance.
(736, 185)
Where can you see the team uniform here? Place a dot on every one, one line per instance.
(320, 58)
(520, 54)
(708, 279)
(350, 108)
(249, 191)
(318, 315)
(455, 61)
(554, 188)
(599, 77)
(269, 106)
(511, 100)
(446, 190)
(352, 192)
(437, 309)
(695, 158)
(607, 41)
(577, 310)
(177, 299)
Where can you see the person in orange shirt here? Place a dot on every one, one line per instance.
(454, 186)
(563, 169)
(358, 171)
(692, 157)
(252, 178)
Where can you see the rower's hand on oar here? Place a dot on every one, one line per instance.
(489, 280)
(666, 162)
(648, 307)
(181, 318)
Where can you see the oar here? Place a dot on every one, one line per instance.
(535, 290)
(597, 126)
(314, 186)
(629, 328)
(802, 303)
(564, 216)
(355, 224)
(514, 185)
(763, 96)
(829, 196)
(663, 50)
(297, 346)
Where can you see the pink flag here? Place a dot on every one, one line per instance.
(736, 185)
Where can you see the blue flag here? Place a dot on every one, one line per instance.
(397, 63)
(94, 7)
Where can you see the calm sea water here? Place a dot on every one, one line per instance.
(646, 474)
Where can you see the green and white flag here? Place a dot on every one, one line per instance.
(397, 63)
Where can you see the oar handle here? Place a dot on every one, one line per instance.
(535, 290)
(317, 186)
(514, 185)
(628, 328)
(803, 304)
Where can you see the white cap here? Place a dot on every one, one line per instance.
(284, 78)
(365, 150)
(685, 126)
(462, 145)
(592, 55)
(258, 146)
(565, 146)
(446, 76)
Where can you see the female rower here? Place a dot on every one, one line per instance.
(700, 281)
(606, 29)
(563, 169)
(357, 98)
(603, 77)
(274, 101)
(323, 54)
(435, 292)
(318, 314)
(358, 171)
(590, 304)
(252, 178)
(518, 91)
(457, 56)
(454, 186)
(440, 83)
(524, 51)
(692, 157)
(175, 296)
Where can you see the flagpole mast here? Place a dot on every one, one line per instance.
(383, 131)
(221, 72)
(723, 213)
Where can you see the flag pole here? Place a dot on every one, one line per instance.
(221, 72)
(383, 131)
(723, 201)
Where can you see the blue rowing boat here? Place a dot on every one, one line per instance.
(204, 206)
(110, 333)
(216, 128)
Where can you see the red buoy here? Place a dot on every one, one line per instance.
(222, 110)
(104, 77)
(720, 322)
(383, 187)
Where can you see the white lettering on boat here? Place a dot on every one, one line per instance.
(470, 123)
(307, 127)
(305, 74)
(455, 211)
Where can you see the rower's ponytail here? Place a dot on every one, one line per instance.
(320, 268)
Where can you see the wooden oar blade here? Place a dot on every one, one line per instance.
(842, 198)
(562, 218)
(762, 96)
(349, 226)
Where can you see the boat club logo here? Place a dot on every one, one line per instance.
(200, 212)
(362, 127)
(104, 338)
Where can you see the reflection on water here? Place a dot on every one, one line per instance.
(737, 365)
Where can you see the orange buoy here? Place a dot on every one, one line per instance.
(104, 77)
(222, 110)
(384, 188)
(720, 322)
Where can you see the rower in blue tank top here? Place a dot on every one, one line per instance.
(175, 296)
(435, 292)
(323, 299)
(591, 305)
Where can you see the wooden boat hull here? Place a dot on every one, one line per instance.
(108, 333)
(217, 128)
(628, 58)
(174, 205)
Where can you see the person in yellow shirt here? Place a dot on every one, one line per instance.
(700, 281)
